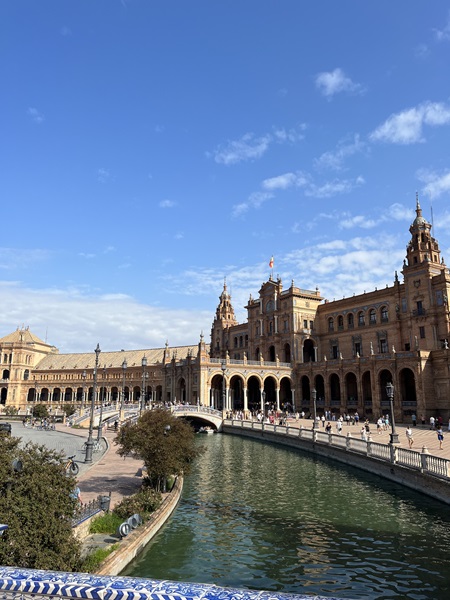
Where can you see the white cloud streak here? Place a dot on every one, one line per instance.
(335, 82)
(36, 116)
(406, 127)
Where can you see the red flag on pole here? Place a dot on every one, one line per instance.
(271, 263)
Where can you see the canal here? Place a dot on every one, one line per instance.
(258, 516)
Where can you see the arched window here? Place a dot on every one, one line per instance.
(361, 321)
(330, 324)
(384, 314)
(350, 320)
(26, 374)
(372, 316)
(340, 322)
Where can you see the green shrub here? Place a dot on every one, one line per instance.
(107, 523)
(92, 562)
(143, 503)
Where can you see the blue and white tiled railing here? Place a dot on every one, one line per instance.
(19, 584)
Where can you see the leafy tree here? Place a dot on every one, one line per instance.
(165, 444)
(11, 411)
(40, 411)
(69, 409)
(36, 505)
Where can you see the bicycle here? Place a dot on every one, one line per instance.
(96, 447)
(71, 466)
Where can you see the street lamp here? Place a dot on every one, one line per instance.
(314, 398)
(142, 402)
(102, 400)
(224, 393)
(393, 436)
(263, 398)
(90, 440)
(83, 375)
(124, 368)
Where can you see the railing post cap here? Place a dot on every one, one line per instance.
(425, 450)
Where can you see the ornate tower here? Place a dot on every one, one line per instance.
(223, 320)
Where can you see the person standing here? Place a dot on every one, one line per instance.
(440, 436)
(409, 436)
(432, 420)
(414, 419)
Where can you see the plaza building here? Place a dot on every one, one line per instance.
(294, 346)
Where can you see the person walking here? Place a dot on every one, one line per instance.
(440, 436)
(409, 436)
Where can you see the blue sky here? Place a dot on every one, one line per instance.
(151, 148)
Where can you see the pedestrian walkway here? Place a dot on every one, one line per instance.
(422, 435)
(108, 472)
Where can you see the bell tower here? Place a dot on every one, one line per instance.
(223, 320)
(422, 253)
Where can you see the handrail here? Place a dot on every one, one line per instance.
(15, 582)
(417, 461)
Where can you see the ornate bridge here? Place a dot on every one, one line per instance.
(208, 416)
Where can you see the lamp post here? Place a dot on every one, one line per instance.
(142, 402)
(393, 436)
(83, 398)
(224, 393)
(314, 398)
(102, 400)
(122, 400)
(90, 440)
(263, 399)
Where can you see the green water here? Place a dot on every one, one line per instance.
(258, 516)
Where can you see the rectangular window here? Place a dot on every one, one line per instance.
(334, 352)
(404, 306)
(383, 346)
(358, 348)
(420, 310)
(422, 333)
(439, 298)
(305, 324)
(311, 324)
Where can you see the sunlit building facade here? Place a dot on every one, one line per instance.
(293, 342)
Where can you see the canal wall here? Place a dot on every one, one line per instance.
(135, 542)
(416, 479)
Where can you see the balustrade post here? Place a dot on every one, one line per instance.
(348, 441)
(393, 450)
(424, 459)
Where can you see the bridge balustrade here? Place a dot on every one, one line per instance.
(24, 584)
(417, 461)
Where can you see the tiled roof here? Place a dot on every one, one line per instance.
(23, 336)
(114, 359)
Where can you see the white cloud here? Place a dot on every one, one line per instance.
(103, 175)
(436, 184)
(335, 160)
(443, 35)
(115, 321)
(358, 221)
(17, 258)
(36, 116)
(283, 182)
(406, 127)
(334, 82)
(255, 200)
(332, 188)
(167, 204)
(247, 148)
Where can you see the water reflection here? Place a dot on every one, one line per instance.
(258, 516)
